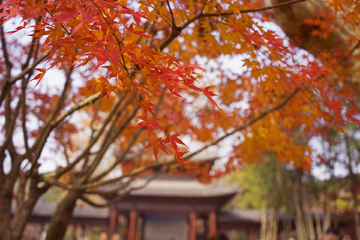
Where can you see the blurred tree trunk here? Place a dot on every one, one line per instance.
(354, 182)
(273, 225)
(299, 223)
(6, 195)
(356, 213)
(269, 223)
(319, 230)
(308, 214)
(62, 216)
(327, 219)
(263, 220)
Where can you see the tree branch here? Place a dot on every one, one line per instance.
(23, 116)
(118, 198)
(176, 31)
(119, 159)
(90, 100)
(10, 121)
(29, 68)
(46, 130)
(109, 139)
(171, 13)
(61, 138)
(120, 186)
(5, 51)
(132, 142)
(169, 163)
(94, 140)
(204, 15)
(262, 115)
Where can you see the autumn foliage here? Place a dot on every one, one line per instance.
(133, 79)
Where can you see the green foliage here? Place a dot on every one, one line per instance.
(259, 182)
(52, 195)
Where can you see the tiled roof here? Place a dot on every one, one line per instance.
(253, 215)
(46, 209)
(182, 188)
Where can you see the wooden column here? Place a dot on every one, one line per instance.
(113, 222)
(253, 233)
(212, 224)
(132, 225)
(192, 226)
(206, 228)
(143, 226)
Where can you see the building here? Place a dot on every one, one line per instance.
(170, 207)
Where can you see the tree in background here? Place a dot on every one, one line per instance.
(130, 81)
(340, 150)
(262, 187)
(302, 193)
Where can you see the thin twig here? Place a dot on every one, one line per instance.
(118, 198)
(90, 100)
(240, 11)
(171, 13)
(262, 115)
(169, 163)
(29, 68)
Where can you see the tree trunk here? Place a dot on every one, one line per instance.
(24, 209)
(327, 220)
(356, 214)
(62, 216)
(300, 226)
(6, 194)
(263, 221)
(319, 230)
(7, 182)
(273, 226)
(287, 228)
(308, 215)
(354, 182)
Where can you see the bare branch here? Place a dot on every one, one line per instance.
(23, 116)
(94, 118)
(86, 151)
(46, 130)
(132, 142)
(5, 52)
(169, 163)
(29, 68)
(32, 48)
(120, 186)
(118, 198)
(135, 172)
(171, 13)
(113, 134)
(176, 31)
(252, 121)
(10, 120)
(61, 138)
(90, 100)
(120, 158)
(204, 15)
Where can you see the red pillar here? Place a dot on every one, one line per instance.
(212, 224)
(192, 225)
(132, 225)
(113, 222)
(253, 234)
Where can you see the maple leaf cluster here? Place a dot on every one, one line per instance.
(139, 63)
